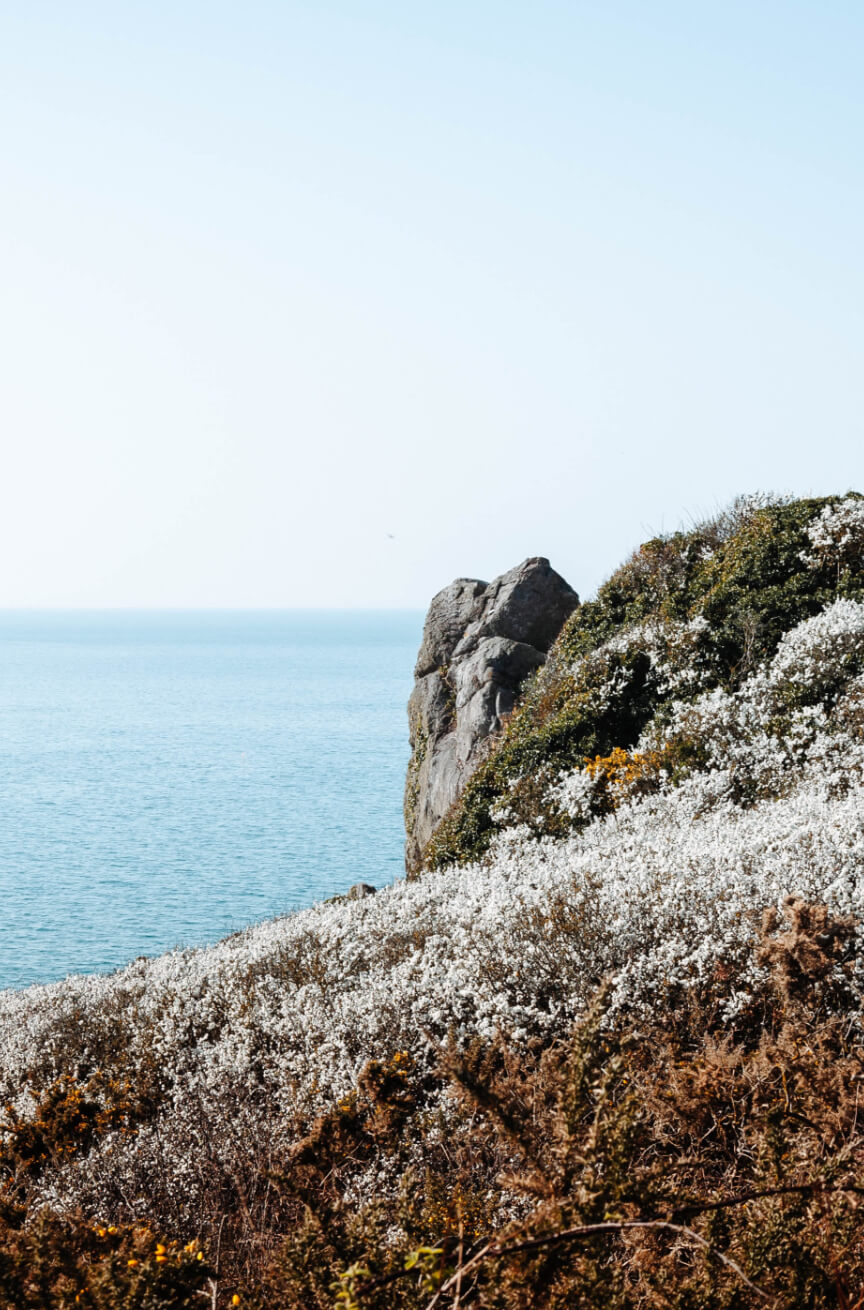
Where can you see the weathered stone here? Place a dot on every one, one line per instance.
(360, 890)
(480, 642)
(450, 615)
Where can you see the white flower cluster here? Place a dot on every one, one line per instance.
(837, 533)
(574, 794)
(793, 710)
(671, 649)
(281, 1018)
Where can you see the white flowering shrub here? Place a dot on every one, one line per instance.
(787, 713)
(672, 651)
(575, 794)
(837, 535)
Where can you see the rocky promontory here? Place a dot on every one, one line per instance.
(481, 640)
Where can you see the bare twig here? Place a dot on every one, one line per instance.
(494, 1252)
(459, 1258)
(219, 1244)
(212, 1292)
(700, 1207)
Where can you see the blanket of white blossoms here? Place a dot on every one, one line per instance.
(655, 895)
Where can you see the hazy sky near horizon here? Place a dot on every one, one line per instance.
(325, 304)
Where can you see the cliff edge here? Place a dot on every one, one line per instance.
(481, 640)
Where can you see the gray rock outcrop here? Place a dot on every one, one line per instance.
(360, 891)
(480, 642)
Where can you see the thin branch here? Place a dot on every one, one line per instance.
(700, 1207)
(493, 1252)
(219, 1244)
(459, 1258)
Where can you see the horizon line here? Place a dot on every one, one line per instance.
(211, 609)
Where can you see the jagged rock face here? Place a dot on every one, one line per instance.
(480, 642)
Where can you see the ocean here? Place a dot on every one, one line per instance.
(167, 778)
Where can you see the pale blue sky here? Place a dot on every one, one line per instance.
(279, 280)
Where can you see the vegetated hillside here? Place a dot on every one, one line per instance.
(686, 613)
(617, 1060)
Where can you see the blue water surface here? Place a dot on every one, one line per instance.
(166, 778)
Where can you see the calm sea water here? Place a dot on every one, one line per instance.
(166, 778)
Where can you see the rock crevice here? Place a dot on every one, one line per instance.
(480, 642)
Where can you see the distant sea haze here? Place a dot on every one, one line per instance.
(166, 778)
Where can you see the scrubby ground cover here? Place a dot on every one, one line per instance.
(613, 1058)
(686, 613)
